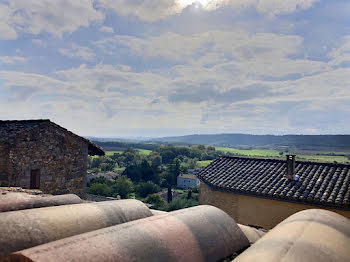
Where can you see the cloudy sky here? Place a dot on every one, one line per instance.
(171, 67)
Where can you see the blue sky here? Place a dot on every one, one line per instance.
(171, 67)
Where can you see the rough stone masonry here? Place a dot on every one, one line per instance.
(40, 154)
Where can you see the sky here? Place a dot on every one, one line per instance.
(134, 68)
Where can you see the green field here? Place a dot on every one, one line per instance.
(109, 153)
(270, 153)
(317, 158)
(301, 156)
(204, 163)
(142, 151)
(252, 152)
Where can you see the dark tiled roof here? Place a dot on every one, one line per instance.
(11, 128)
(319, 183)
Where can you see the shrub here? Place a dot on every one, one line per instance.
(156, 200)
(102, 180)
(181, 203)
(195, 189)
(123, 186)
(106, 167)
(100, 189)
(95, 170)
(146, 188)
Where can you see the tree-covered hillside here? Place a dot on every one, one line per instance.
(234, 140)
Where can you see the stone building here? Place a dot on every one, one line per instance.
(40, 154)
(263, 192)
(187, 181)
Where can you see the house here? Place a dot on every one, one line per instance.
(40, 154)
(263, 192)
(187, 181)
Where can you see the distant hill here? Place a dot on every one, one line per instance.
(243, 140)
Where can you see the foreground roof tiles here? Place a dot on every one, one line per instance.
(312, 235)
(201, 233)
(319, 183)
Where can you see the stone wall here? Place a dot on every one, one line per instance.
(60, 157)
(254, 211)
(4, 163)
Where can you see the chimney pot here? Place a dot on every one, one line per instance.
(290, 166)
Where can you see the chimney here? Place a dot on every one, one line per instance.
(290, 166)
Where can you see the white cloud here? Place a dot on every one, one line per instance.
(282, 67)
(341, 54)
(12, 59)
(261, 54)
(117, 97)
(81, 52)
(106, 29)
(7, 31)
(170, 45)
(153, 10)
(277, 7)
(101, 79)
(52, 16)
(58, 17)
(39, 42)
(146, 10)
(14, 79)
(325, 86)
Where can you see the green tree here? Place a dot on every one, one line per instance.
(147, 172)
(123, 186)
(201, 147)
(95, 170)
(100, 189)
(156, 200)
(131, 157)
(188, 163)
(211, 148)
(102, 180)
(133, 172)
(143, 189)
(156, 159)
(96, 161)
(105, 167)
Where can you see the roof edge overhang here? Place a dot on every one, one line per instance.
(319, 205)
(94, 150)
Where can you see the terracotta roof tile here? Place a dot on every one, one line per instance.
(188, 176)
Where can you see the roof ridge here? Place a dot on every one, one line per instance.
(28, 120)
(283, 160)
